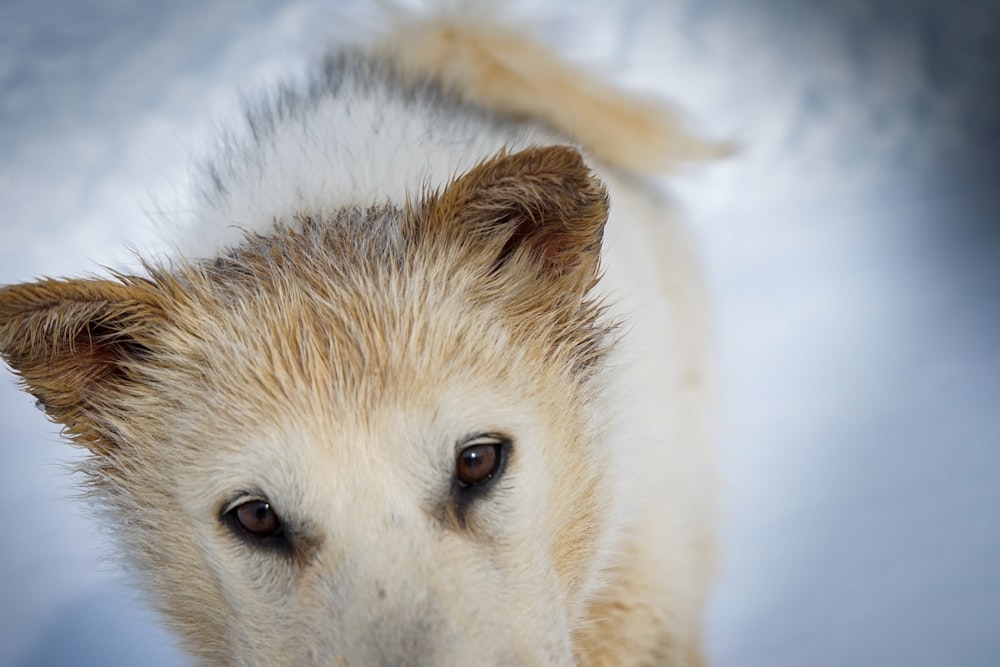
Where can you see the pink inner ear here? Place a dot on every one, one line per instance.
(554, 247)
(557, 250)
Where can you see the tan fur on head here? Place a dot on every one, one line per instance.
(332, 368)
(511, 74)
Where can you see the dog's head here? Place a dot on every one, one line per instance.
(368, 438)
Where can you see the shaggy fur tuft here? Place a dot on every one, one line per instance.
(502, 70)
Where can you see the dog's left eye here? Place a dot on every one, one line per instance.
(256, 518)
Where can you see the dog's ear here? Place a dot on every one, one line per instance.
(76, 346)
(539, 208)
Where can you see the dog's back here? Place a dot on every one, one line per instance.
(421, 405)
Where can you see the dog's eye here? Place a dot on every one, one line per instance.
(480, 460)
(256, 518)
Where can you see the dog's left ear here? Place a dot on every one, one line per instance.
(77, 346)
(537, 209)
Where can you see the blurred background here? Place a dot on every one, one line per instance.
(852, 248)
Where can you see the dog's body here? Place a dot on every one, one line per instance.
(395, 424)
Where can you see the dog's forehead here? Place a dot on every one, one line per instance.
(344, 305)
(354, 345)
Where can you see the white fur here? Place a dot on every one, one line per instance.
(361, 147)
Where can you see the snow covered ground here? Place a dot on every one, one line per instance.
(853, 249)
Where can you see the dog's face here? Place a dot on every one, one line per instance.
(368, 440)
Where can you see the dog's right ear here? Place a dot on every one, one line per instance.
(77, 345)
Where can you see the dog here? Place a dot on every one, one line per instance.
(428, 384)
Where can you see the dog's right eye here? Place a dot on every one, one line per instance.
(256, 518)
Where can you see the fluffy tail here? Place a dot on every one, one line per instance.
(498, 69)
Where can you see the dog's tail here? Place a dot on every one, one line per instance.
(497, 68)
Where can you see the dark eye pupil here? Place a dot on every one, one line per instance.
(477, 463)
(257, 518)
